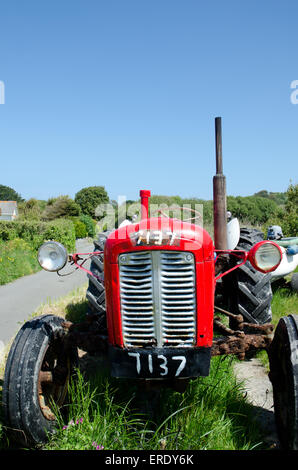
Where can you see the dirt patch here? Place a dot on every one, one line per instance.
(258, 389)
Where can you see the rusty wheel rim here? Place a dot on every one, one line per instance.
(53, 380)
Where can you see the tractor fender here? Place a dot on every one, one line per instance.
(233, 234)
(124, 223)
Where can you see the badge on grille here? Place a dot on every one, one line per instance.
(155, 237)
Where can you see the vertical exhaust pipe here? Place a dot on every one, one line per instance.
(145, 194)
(219, 194)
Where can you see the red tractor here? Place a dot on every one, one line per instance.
(152, 290)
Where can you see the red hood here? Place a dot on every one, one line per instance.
(187, 237)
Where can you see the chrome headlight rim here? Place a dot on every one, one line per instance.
(260, 249)
(44, 255)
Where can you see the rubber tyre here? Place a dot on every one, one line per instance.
(37, 347)
(283, 358)
(294, 282)
(96, 292)
(247, 291)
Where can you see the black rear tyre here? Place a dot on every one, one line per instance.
(294, 282)
(37, 372)
(96, 292)
(283, 358)
(247, 291)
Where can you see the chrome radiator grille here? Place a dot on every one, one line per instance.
(157, 293)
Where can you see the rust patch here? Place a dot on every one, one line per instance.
(245, 337)
(239, 345)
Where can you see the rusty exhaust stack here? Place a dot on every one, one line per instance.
(219, 194)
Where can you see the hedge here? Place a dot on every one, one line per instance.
(36, 232)
(89, 224)
(80, 228)
(17, 258)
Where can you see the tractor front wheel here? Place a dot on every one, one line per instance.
(283, 358)
(37, 373)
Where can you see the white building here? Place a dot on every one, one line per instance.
(8, 210)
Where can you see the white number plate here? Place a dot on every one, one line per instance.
(161, 365)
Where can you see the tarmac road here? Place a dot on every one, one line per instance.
(23, 296)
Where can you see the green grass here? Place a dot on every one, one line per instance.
(285, 302)
(211, 414)
(17, 259)
(114, 414)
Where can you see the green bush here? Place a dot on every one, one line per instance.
(290, 222)
(62, 206)
(80, 229)
(89, 224)
(287, 217)
(8, 230)
(256, 210)
(9, 194)
(31, 209)
(91, 197)
(36, 232)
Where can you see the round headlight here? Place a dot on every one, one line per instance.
(52, 256)
(265, 256)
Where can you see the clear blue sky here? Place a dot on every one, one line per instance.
(123, 93)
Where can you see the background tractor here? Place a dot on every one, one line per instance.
(289, 262)
(152, 286)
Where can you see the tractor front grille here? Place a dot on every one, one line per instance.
(157, 293)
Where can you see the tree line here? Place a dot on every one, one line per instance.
(261, 209)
